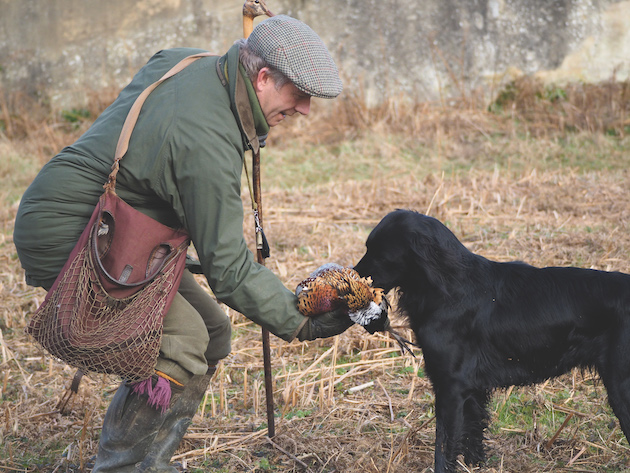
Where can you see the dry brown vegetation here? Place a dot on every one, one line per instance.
(541, 177)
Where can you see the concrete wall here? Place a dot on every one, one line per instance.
(61, 48)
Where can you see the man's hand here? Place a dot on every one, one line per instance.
(325, 325)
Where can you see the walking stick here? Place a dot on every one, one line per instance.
(252, 9)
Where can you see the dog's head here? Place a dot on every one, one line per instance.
(409, 250)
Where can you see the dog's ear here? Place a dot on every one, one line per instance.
(427, 260)
(437, 257)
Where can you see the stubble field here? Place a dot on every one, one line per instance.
(541, 176)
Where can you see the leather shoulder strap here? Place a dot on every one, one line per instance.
(134, 112)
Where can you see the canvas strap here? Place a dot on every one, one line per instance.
(134, 112)
(130, 122)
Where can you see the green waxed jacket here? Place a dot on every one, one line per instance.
(183, 168)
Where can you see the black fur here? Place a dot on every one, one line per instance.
(483, 324)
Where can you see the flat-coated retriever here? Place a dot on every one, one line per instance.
(482, 324)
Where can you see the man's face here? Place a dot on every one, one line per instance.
(278, 103)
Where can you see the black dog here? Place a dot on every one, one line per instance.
(483, 324)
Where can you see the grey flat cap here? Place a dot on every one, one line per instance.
(295, 50)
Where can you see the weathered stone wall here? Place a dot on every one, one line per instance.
(423, 49)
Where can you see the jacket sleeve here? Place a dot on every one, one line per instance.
(202, 181)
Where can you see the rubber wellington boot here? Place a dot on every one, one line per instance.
(129, 428)
(175, 423)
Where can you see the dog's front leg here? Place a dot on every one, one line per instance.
(475, 423)
(441, 439)
(449, 426)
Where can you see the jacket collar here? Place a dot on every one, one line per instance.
(244, 102)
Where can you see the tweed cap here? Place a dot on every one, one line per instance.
(294, 49)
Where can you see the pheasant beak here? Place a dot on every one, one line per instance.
(252, 9)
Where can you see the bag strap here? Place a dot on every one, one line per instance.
(134, 112)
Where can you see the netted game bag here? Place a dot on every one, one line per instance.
(105, 311)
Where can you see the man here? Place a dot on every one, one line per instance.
(183, 168)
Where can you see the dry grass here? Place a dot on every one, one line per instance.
(527, 183)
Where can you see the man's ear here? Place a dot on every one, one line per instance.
(262, 79)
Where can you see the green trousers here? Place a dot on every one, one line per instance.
(197, 332)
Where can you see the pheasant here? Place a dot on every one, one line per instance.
(332, 287)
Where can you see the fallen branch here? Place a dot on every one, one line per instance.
(360, 387)
(577, 455)
(557, 434)
(389, 401)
